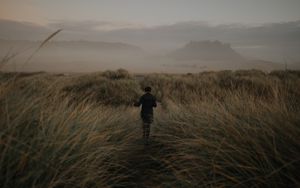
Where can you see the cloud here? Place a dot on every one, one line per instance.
(90, 25)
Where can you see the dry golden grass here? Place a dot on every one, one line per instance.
(212, 129)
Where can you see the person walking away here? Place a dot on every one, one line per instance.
(148, 102)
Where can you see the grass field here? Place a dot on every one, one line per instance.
(211, 129)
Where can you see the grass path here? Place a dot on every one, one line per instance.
(143, 165)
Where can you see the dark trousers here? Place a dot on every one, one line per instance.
(147, 120)
(146, 130)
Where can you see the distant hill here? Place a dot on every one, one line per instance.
(73, 45)
(216, 55)
(70, 56)
(207, 50)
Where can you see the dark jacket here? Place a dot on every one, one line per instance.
(148, 101)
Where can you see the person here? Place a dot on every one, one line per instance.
(148, 101)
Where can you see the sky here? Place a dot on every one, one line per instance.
(142, 13)
(263, 29)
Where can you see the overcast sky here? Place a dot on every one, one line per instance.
(140, 13)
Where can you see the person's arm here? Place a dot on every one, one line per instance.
(138, 104)
(154, 102)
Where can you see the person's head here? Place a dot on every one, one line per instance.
(147, 89)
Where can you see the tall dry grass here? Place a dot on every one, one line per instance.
(212, 129)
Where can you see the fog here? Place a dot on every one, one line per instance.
(82, 47)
